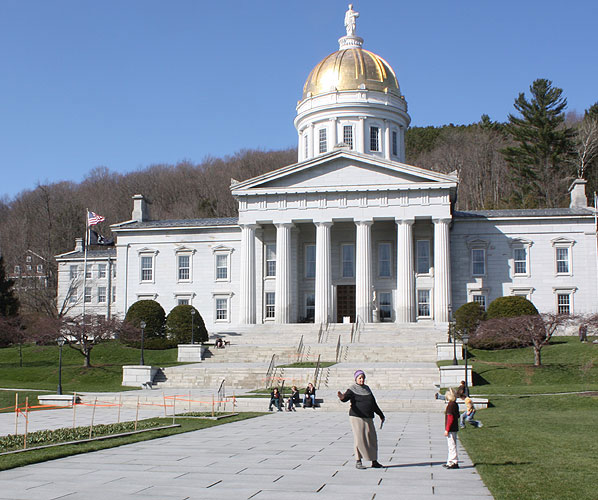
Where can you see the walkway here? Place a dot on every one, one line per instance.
(307, 454)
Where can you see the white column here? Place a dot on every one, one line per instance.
(405, 297)
(387, 144)
(442, 270)
(247, 289)
(363, 274)
(282, 298)
(323, 305)
(311, 147)
(360, 141)
(334, 130)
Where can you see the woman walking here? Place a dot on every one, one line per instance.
(361, 415)
(451, 427)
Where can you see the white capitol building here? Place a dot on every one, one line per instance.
(348, 233)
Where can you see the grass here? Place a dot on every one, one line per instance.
(40, 367)
(535, 446)
(186, 425)
(7, 399)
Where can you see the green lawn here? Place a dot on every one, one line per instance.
(535, 446)
(40, 367)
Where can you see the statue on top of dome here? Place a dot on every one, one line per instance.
(350, 17)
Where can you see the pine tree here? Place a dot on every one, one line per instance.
(540, 162)
(9, 303)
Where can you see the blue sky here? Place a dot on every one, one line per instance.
(127, 84)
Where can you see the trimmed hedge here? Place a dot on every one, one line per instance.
(178, 325)
(510, 307)
(468, 317)
(152, 313)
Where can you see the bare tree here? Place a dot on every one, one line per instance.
(586, 144)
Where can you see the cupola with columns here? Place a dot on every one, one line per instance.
(352, 99)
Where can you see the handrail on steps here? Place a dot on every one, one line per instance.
(221, 394)
(270, 371)
(300, 349)
(317, 373)
(338, 348)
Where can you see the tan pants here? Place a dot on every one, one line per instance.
(364, 438)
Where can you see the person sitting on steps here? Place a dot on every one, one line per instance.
(293, 399)
(309, 398)
(275, 399)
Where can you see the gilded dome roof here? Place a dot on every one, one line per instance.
(351, 69)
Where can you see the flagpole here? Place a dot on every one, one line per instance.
(85, 260)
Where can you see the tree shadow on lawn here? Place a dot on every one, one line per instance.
(508, 463)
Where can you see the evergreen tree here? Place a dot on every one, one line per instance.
(540, 161)
(9, 303)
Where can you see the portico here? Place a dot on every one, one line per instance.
(320, 249)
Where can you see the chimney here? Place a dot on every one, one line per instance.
(578, 194)
(78, 244)
(140, 211)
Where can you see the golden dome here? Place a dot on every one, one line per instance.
(351, 69)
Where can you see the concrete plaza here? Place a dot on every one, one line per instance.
(306, 454)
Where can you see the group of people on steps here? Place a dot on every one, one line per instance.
(277, 400)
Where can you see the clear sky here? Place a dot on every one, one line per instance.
(129, 83)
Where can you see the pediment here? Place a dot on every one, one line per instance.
(342, 170)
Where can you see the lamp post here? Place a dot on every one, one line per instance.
(453, 334)
(60, 344)
(192, 330)
(143, 324)
(465, 340)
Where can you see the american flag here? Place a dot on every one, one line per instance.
(93, 218)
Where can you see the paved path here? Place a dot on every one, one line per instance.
(307, 454)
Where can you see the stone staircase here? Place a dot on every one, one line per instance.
(400, 358)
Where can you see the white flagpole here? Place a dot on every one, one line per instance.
(85, 259)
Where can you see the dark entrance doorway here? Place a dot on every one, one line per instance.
(345, 302)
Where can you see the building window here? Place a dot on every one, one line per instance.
(385, 306)
(114, 270)
(479, 299)
(270, 305)
(348, 135)
(222, 266)
(310, 261)
(520, 261)
(478, 261)
(348, 260)
(73, 296)
(183, 302)
(113, 294)
(28, 267)
(40, 269)
(395, 149)
(423, 256)
(374, 139)
(384, 264)
(88, 270)
(18, 269)
(423, 303)
(101, 270)
(28, 258)
(563, 303)
(73, 272)
(101, 294)
(562, 260)
(323, 145)
(87, 295)
(221, 308)
(271, 259)
(184, 267)
(147, 268)
(310, 307)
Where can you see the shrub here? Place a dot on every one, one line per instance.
(499, 333)
(468, 317)
(178, 325)
(152, 344)
(510, 307)
(152, 313)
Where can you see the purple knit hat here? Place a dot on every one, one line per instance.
(357, 373)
